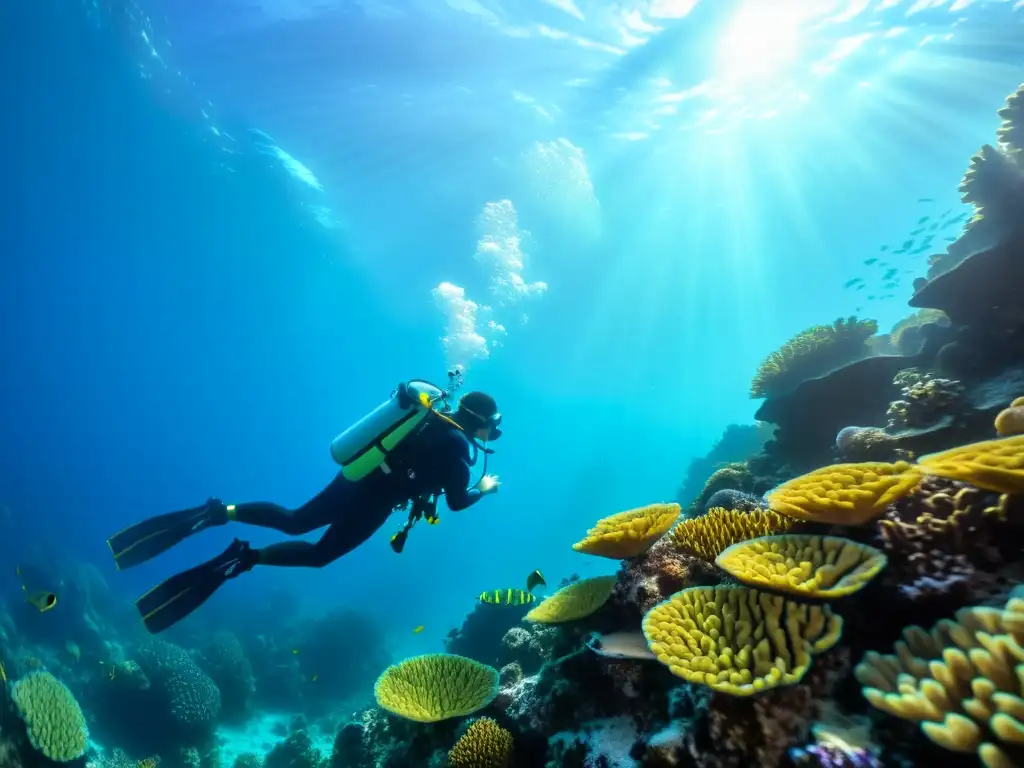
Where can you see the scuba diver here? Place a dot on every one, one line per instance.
(404, 454)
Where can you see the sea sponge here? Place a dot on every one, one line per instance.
(574, 601)
(707, 536)
(55, 723)
(485, 744)
(963, 681)
(810, 566)
(811, 353)
(995, 465)
(436, 686)
(738, 640)
(1010, 421)
(845, 494)
(630, 533)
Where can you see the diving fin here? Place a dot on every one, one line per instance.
(173, 600)
(144, 541)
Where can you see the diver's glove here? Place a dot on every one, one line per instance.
(487, 484)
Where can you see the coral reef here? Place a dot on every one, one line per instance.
(436, 687)
(737, 444)
(925, 399)
(804, 565)
(630, 533)
(812, 353)
(708, 536)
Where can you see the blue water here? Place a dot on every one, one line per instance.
(225, 224)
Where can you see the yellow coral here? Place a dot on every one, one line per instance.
(963, 681)
(995, 465)
(629, 533)
(708, 535)
(435, 687)
(485, 744)
(1011, 132)
(738, 640)
(845, 494)
(812, 352)
(55, 723)
(1010, 421)
(821, 567)
(575, 601)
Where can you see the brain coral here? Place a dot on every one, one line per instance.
(963, 681)
(821, 567)
(55, 723)
(575, 601)
(435, 687)
(995, 465)
(708, 535)
(193, 698)
(630, 533)
(737, 640)
(845, 494)
(485, 744)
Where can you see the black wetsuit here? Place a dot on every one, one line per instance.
(434, 460)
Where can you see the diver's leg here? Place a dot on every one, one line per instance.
(319, 511)
(340, 539)
(147, 539)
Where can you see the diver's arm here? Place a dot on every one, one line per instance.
(456, 494)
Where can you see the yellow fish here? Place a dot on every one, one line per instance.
(40, 599)
(418, 629)
(3, 672)
(313, 679)
(507, 597)
(295, 651)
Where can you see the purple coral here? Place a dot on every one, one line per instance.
(831, 756)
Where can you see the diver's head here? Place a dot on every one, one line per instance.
(478, 414)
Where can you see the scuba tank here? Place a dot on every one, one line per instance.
(365, 445)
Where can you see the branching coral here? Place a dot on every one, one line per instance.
(995, 465)
(962, 681)
(707, 536)
(630, 533)
(485, 744)
(948, 539)
(435, 687)
(925, 399)
(812, 353)
(662, 571)
(737, 640)
(810, 566)
(845, 494)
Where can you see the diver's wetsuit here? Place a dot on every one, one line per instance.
(435, 460)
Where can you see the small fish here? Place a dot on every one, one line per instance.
(417, 629)
(890, 272)
(950, 239)
(917, 232)
(40, 599)
(891, 286)
(923, 219)
(3, 672)
(884, 248)
(314, 678)
(295, 651)
(620, 645)
(907, 244)
(853, 282)
(870, 261)
(933, 227)
(926, 199)
(534, 580)
(507, 597)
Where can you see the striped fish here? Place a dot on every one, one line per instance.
(507, 597)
